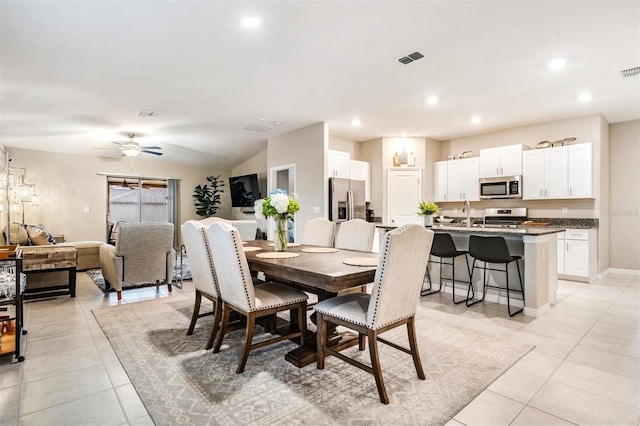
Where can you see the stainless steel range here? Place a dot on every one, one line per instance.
(504, 217)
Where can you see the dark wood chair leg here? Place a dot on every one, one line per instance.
(413, 345)
(169, 287)
(196, 311)
(217, 305)
(251, 321)
(119, 293)
(361, 341)
(223, 327)
(321, 340)
(375, 365)
(302, 322)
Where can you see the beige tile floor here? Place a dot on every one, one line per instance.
(585, 368)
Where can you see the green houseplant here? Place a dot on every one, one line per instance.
(208, 196)
(427, 210)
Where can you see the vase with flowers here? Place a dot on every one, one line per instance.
(281, 207)
(427, 210)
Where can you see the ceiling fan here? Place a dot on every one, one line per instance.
(131, 148)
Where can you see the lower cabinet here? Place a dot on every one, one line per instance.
(576, 255)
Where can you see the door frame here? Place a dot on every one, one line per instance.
(272, 185)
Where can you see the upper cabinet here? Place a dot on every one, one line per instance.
(339, 164)
(457, 180)
(360, 170)
(558, 173)
(501, 161)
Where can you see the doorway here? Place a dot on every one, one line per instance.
(282, 177)
(404, 192)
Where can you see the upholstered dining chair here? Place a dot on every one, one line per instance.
(204, 276)
(319, 232)
(246, 228)
(392, 302)
(356, 234)
(143, 252)
(239, 294)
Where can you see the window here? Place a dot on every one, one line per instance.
(134, 200)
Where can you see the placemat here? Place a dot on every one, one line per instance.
(361, 261)
(289, 244)
(319, 250)
(251, 248)
(277, 255)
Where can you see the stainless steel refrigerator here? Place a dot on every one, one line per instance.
(346, 199)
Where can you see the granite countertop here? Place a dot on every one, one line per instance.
(520, 230)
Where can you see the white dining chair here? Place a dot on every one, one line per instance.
(392, 302)
(319, 232)
(239, 294)
(203, 274)
(356, 234)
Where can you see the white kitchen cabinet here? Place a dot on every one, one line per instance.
(544, 173)
(577, 256)
(501, 161)
(339, 164)
(463, 179)
(361, 170)
(440, 180)
(580, 170)
(457, 180)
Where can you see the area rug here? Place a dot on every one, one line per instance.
(178, 272)
(181, 383)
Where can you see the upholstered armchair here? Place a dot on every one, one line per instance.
(143, 253)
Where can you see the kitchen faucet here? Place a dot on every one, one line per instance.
(466, 207)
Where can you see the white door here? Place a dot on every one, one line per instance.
(490, 162)
(511, 160)
(404, 192)
(576, 260)
(440, 180)
(555, 171)
(580, 171)
(455, 180)
(471, 175)
(533, 174)
(338, 164)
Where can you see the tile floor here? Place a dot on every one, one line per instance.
(584, 370)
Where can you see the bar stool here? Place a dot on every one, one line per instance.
(443, 247)
(493, 250)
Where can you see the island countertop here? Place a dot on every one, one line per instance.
(519, 230)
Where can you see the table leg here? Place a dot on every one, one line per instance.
(72, 282)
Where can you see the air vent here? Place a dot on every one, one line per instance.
(150, 113)
(257, 128)
(411, 58)
(630, 72)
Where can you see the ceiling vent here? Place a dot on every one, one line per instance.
(150, 113)
(630, 72)
(411, 58)
(257, 128)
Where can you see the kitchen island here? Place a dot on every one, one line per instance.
(536, 244)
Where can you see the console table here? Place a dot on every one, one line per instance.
(39, 259)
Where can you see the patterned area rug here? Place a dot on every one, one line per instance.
(184, 271)
(180, 383)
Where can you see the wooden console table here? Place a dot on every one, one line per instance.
(39, 259)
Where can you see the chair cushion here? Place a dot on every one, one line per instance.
(271, 295)
(351, 307)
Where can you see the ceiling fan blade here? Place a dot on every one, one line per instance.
(151, 147)
(118, 143)
(152, 152)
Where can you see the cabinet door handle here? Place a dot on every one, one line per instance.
(570, 191)
(567, 246)
(497, 171)
(541, 192)
(546, 192)
(501, 171)
(445, 196)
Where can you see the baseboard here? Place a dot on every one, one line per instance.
(619, 271)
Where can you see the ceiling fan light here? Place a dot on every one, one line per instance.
(131, 152)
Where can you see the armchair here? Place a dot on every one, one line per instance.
(143, 252)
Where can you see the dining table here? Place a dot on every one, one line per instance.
(320, 271)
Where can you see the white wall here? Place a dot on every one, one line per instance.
(67, 183)
(346, 145)
(307, 149)
(624, 184)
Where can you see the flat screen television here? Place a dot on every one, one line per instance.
(244, 190)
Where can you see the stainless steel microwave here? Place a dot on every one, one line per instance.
(501, 187)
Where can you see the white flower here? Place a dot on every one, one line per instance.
(280, 202)
(257, 206)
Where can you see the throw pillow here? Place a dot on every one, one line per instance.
(18, 234)
(47, 234)
(37, 236)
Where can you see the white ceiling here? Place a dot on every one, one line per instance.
(75, 74)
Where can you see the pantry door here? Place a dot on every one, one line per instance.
(404, 192)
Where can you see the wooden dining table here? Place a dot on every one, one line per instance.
(323, 274)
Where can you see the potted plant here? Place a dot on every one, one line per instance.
(208, 197)
(427, 210)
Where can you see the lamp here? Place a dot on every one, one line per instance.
(35, 200)
(131, 152)
(23, 193)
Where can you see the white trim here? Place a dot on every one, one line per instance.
(271, 185)
(619, 271)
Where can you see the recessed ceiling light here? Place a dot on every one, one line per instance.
(356, 122)
(432, 100)
(557, 64)
(476, 119)
(251, 22)
(584, 97)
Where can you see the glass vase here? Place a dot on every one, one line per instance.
(280, 238)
